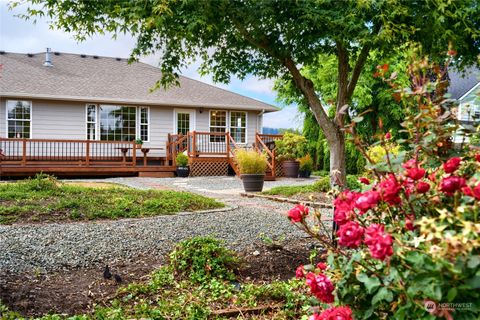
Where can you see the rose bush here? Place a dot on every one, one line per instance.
(411, 237)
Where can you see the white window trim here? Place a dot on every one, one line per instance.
(96, 120)
(227, 122)
(31, 117)
(139, 123)
(193, 121)
(228, 119)
(246, 125)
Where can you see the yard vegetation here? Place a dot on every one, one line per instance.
(45, 199)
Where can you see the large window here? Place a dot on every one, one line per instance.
(238, 126)
(144, 123)
(218, 123)
(19, 119)
(117, 123)
(91, 122)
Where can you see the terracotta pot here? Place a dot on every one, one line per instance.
(183, 172)
(253, 182)
(290, 168)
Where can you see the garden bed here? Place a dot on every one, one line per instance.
(263, 275)
(45, 199)
(299, 193)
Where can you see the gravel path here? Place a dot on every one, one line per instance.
(56, 246)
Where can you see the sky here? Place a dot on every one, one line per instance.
(18, 35)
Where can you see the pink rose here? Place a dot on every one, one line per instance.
(379, 242)
(344, 204)
(451, 184)
(364, 180)
(321, 287)
(452, 165)
(334, 313)
(300, 272)
(322, 266)
(415, 173)
(298, 213)
(422, 187)
(367, 200)
(477, 157)
(350, 235)
(409, 222)
(389, 190)
(388, 136)
(410, 164)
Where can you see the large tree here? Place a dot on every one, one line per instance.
(276, 38)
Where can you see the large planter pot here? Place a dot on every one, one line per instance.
(183, 172)
(290, 168)
(253, 182)
(304, 173)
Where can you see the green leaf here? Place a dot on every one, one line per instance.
(473, 262)
(474, 282)
(382, 294)
(452, 293)
(371, 283)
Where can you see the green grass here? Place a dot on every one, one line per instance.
(45, 199)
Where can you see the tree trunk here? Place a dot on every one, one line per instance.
(338, 176)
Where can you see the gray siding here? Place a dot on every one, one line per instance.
(3, 129)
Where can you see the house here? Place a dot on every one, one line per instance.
(71, 114)
(465, 88)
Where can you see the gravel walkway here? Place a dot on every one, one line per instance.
(56, 246)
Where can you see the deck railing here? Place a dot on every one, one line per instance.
(265, 143)
(25, 152)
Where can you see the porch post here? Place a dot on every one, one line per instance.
(24, 152)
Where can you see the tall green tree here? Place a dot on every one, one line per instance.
(274, 38)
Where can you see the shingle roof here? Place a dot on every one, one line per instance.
(105, 79)
(462, 81)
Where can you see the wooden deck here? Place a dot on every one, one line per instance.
(210, 153)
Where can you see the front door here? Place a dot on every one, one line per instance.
(184, 121)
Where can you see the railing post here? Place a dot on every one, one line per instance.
(134, 154)
(24, 152)
(87, 156)
(273, 164)
(194, 147)
(228, 144)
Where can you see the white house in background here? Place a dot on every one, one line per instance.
(465, 88)
(75, 97)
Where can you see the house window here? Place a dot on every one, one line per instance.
(19, 119)
(117, 123)
(144, 123)
(91, 122)
(238, 126)
(218, 123)
(183, 123)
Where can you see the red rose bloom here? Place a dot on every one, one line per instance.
(452, 165)
(422, 187)
(476, 192)
(364, 180)
(333, 313)
(344, 205)
(367, 200)
(350, 235)
(379, 242)
(300, 272)
(389, 190)
(320, 286)
(322, 266)
(388, 136)
(451, 184)
(410, 219)
(410, 164)
(477, 157)
(298, 213)
(415, 173)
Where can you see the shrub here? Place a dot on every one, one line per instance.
(306, 163)
(251, 162)
(353, 183)
(181, 160)
(322, 184)
(291, 147)
(203, 258)
(408, 246)
(41, 182)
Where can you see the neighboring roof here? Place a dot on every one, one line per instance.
(461, 82)
(112, 80)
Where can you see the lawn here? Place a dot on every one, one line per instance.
(45, 199)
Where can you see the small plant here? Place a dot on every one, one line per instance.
(41, 182)
(139, 141)
(182, 160)
(291, 147)
(251, 162)
(306, 163)
(202, 258)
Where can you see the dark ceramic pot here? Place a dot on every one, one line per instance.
(290, 169)
(183, 172)
(304, 174)
(253, 182)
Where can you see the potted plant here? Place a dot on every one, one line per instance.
(252, 169)
(306, 166)
(291, 147)
(139, 143)
(183, 170)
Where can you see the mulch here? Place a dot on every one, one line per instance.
(76, 291)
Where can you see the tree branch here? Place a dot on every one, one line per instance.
(357, 70)
(342, 89)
